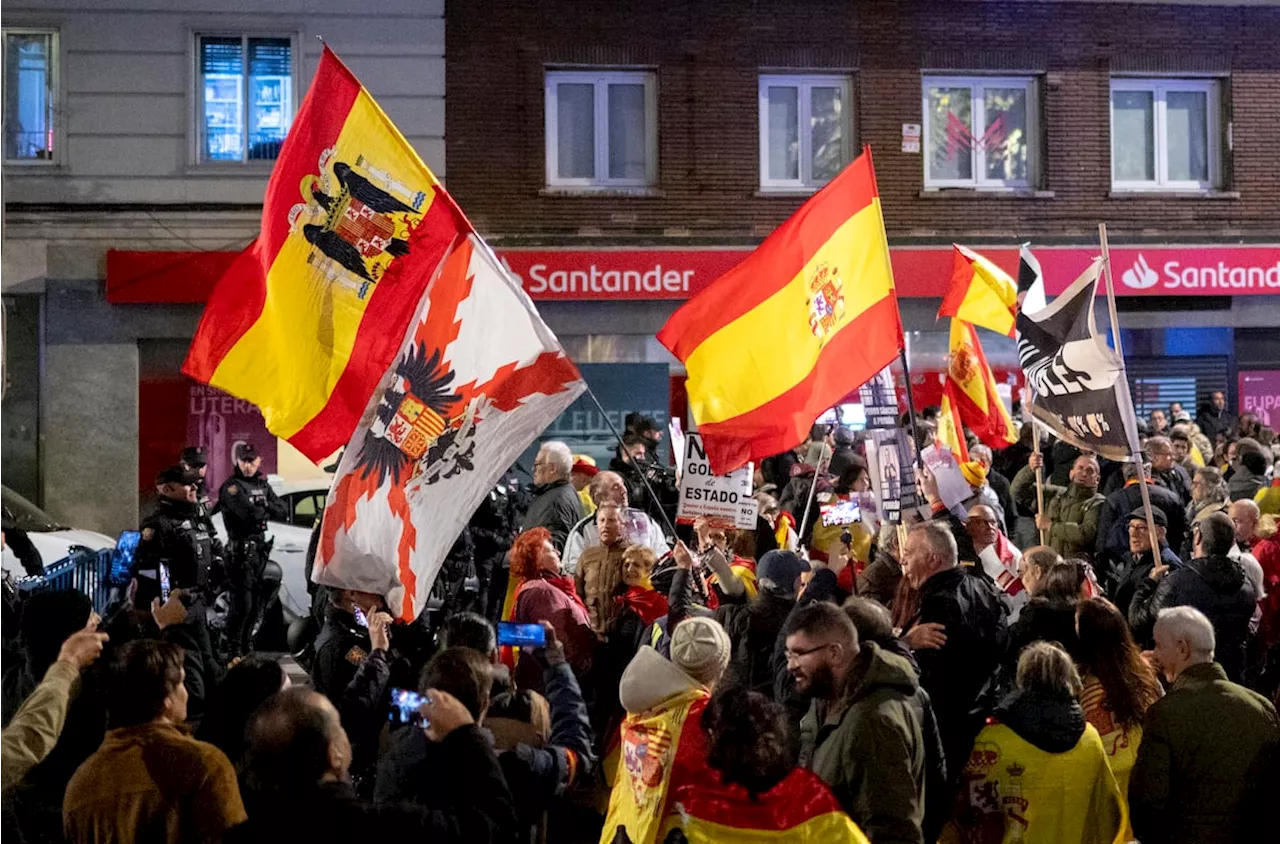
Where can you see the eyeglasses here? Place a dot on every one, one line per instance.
(795, 656)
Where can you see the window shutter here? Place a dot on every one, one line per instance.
(221, 55)
(270, 57)
(1155, 382)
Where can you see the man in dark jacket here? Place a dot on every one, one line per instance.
(1250, 473)
(1214, 418)
(297, 781)
(1113, 524)
(869, 733)
(556, 505)
(1208, 747)
(1135, 566)
(958, 635)
(1213, 583)
(843, 456)
(1166, 470)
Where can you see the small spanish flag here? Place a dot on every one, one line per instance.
(981, 293)
(801, 323)
(310, 316)
(971, 389)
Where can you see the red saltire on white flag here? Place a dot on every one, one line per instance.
(478, 378)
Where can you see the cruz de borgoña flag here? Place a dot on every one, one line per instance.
(478, 377)
(804, 321)
(971, 389)
(1079, 381)
(354, 225)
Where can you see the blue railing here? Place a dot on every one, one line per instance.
(84, 571)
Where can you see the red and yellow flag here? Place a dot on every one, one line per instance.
(309, 318)
(950, 432)
(798, 325)
(971, 390)
(981, 293)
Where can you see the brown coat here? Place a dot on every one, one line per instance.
(598, 577)
(152, 783)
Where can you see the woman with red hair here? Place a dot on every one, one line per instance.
(541, 593)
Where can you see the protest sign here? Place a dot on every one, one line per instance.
(725, 497)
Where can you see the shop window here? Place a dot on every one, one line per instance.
(806, 130)
(980, 132)
(1165, 134)
(601, 129)
(30, 95)
(244, 96)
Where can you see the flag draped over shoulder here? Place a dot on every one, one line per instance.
(1079, 381)
(354, 225)
(981, 293)
(971, 389)
(821, 289)
(478, 378)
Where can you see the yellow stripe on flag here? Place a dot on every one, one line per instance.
(830, 827)
(308, 297)
(992, 297)
(742, 377)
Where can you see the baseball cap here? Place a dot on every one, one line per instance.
(246, 451)
(1157, 515)
(193, 455)
(176, 475)
(781, 568)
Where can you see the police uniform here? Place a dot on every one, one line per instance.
(246, 503)
(175, 544)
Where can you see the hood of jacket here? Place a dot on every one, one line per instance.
(881, 669)
(1051, 723)
(1223, 574)
(650, 679)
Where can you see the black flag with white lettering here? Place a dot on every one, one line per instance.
(1079, 381)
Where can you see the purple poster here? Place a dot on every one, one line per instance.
(1260, 394)
(219, 422)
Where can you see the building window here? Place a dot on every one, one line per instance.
(601, 129)
(806, 132)
(1164, 134)
(30, 95)
(980, 132)
(245, 96)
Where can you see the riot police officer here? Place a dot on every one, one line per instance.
(194, 461)
(175, 549)
(246, 502)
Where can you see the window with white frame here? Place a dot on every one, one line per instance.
(980, 132)
(806, 132)
(601, 128)
(30, 95)
(244, 96)
(1165, 134)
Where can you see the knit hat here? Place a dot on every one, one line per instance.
(584, 465)
(974, 472)
(700, 648)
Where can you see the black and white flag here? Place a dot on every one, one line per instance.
(1079, 381)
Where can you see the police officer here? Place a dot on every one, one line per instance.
(175, 550)
(194, 461)
(246, 502)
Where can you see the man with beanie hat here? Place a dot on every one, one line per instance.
(700, 648)
(753, 626)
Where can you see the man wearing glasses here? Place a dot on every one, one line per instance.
(556, 505)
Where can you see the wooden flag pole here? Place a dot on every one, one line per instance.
(1115, 335)
(1035, 446)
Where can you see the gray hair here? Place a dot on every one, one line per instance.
(937, 535)
(1045, 667)
(1215, 488)
(1217, 534)
(888, 540)
(1188, 624)
(559, 456)
(982, 454)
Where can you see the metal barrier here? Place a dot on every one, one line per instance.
(84, 571)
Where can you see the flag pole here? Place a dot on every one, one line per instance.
(1035, 446)
(1115, 336)
(626, 456)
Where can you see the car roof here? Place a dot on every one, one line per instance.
(283, 487)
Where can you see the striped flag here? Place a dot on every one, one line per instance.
(1031, 296)
(821, 289)
(354, 225)
(971, 389)
(981, 293)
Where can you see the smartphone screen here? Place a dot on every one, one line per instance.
(361, 618)
(164, 583)
(844, 512)
(404, 707)
(521, 635)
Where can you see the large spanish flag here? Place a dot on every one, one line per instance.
(801, 323)
(354, 226)
(971, 389)
(981, 293)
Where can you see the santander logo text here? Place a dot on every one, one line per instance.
(1187, 275)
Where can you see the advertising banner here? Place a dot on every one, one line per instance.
(1260, 394)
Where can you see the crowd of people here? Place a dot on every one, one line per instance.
(1024, 665)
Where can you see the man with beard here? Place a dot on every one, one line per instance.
(866, 730)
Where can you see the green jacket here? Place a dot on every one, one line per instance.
(1074, 510)
(872, 747)
(1208, 749)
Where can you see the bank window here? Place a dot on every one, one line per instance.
(806, 130)
(980, 132)
(245, 96)
(1164, 134)
(30, 95)
(601, 129)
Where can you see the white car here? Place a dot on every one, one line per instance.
(304, 501)
(51, 540)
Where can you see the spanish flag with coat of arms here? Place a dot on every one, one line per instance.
(311, 315)
(970, 392)
(800, 324)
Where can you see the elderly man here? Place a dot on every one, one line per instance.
(1133, 568)
(1071, 513)
(609, 488)
(999, 484)
(555, 506)
(998, 556)
(1165, 468)
(958, 636)
(1206, 746)
(600, 567)
(1112, 539)
(1260, 556)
